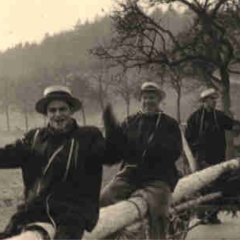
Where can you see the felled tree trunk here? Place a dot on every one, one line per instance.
(195, 202)
(196, 181)
(118, 216)
(188, 153)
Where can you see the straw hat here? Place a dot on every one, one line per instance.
(153, 87)
(57, 93)
(208, 92)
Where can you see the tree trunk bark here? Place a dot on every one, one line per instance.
(195, 202)
(128, 105)
(126, 212)
(101, 102)
(179, 95)
(100, 89)
(7, 117)
(188, 153)
(225, 97)
(83, 115)
(26, 120)
(202, 179)
(226, 106)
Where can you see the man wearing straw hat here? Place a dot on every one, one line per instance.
(205, 133)
(62, 170)
(148, 143)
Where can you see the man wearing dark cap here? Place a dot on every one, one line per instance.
(205, 133)
(62, 170)
(148, 143)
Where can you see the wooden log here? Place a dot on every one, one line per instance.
(195, 202)
(192, 204)
(188, 153)
(117, 216)
(196, 181)
(125, 213)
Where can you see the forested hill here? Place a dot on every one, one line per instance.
(64, 58)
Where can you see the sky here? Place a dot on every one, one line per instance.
(29, 20)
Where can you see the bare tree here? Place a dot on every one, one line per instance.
(208, 43)
(125, 88)
(81, 87)
(101, 80)
(6, 93)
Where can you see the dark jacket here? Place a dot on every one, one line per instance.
(205, 133)
(62, 177)
(150, 143)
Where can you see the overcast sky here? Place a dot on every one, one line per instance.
(29, 20)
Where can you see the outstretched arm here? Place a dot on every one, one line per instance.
(13, 155)
(229, 123)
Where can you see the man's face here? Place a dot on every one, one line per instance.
(210, 102)
(59, 114)
(150, 102)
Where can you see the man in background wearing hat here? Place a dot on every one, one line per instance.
(205, 133)
(62, 170)
(148, 143)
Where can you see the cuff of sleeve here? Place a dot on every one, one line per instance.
(47, 230)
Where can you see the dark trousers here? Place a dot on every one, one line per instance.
(156, 193)
(202, 164)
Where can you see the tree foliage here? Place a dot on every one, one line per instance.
(30, 67)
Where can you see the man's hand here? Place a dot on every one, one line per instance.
(236, 129)
(109, 118)
(236, 126)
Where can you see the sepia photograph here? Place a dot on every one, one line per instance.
(120, 119)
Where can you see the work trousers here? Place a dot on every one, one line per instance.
(212, 213)
(156, 193)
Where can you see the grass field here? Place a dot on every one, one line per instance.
(10, 184)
